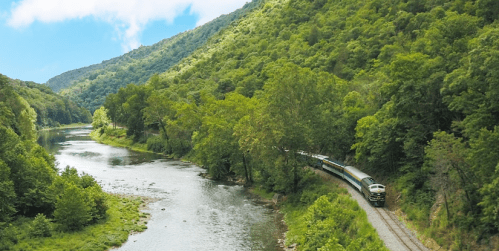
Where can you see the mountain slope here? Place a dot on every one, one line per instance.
(89, 86)
(405, 89)
(51, 109)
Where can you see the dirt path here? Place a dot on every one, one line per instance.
(395, 235)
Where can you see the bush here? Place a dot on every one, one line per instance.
(8, 237)
(156, 144)
(72, 211)
(97, 201)
(40, 226)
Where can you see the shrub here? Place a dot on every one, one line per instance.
(40, 226)
(156, 145)
(72, 211)
(97, 201)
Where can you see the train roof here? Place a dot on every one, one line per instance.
(356, 172)
(337, 162)
(317, 156)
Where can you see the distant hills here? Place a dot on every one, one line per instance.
(90, 85)
(51, 108)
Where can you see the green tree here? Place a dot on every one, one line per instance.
(284, 122)
(71, 209)
(447, 159)
(135, 103)
(7, 193)
(216, 146)
(159, 111)
(100, 118)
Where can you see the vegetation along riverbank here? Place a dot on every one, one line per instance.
(318, 214)
(403, 90)
(44, 208)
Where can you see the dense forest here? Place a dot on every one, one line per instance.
(89, 86)
(51, 109)
(404, 89)
(31, 190)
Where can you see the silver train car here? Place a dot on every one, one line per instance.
(374, 193)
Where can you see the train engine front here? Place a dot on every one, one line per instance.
(375, 193)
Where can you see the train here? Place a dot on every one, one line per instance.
(371, 190)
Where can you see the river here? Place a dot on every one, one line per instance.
(192, 213)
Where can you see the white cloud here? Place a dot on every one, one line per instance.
(129, 17)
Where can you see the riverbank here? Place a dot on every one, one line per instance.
(124, 217)
(117, 137)
(74, 125)
(320, 214)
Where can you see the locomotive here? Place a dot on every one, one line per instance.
(367, 186)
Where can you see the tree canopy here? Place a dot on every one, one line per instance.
(388, 86)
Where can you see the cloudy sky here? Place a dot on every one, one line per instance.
(40, 39)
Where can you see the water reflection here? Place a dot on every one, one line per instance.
(192, 213)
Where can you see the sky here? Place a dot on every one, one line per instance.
(40, 39)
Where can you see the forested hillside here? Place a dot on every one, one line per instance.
(405, 89)
(51, 109)
(31, 190)
(89, 86)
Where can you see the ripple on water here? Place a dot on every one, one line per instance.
(191, 213)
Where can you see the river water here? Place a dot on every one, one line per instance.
(192, 213)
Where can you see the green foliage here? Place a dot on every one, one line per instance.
(31, 191)
(90, 85)
(339, 224)
(322, 217)
(215, 144)
(7, 193)
(124, 218)
(408, 87)
(100, 118)
(156, 144)
(40, 226)
(50, 109)
(72, 210)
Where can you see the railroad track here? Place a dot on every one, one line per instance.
(402, 234)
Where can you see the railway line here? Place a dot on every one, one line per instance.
(406, 238)
(395, 235)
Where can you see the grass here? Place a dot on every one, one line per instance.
(323, 215)
(74, 125)
(260, 191)
(123, 219)
(117, 137)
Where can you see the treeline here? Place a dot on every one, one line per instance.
(52, 110)
(404, 89)
(89, 86)
(31, 190)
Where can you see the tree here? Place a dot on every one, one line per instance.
(216, 146)
(133, 107)
(159, 110)
(113, 107)
(484, 158)
(447, 160)
(7, 193)
(71, 209)
(283, 123)
(100, 118)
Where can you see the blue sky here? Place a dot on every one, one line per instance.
(40, 39)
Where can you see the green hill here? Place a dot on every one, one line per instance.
(405, 89)
(90, 85)
(51, 109)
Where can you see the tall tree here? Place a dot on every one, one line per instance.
(284, 122)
